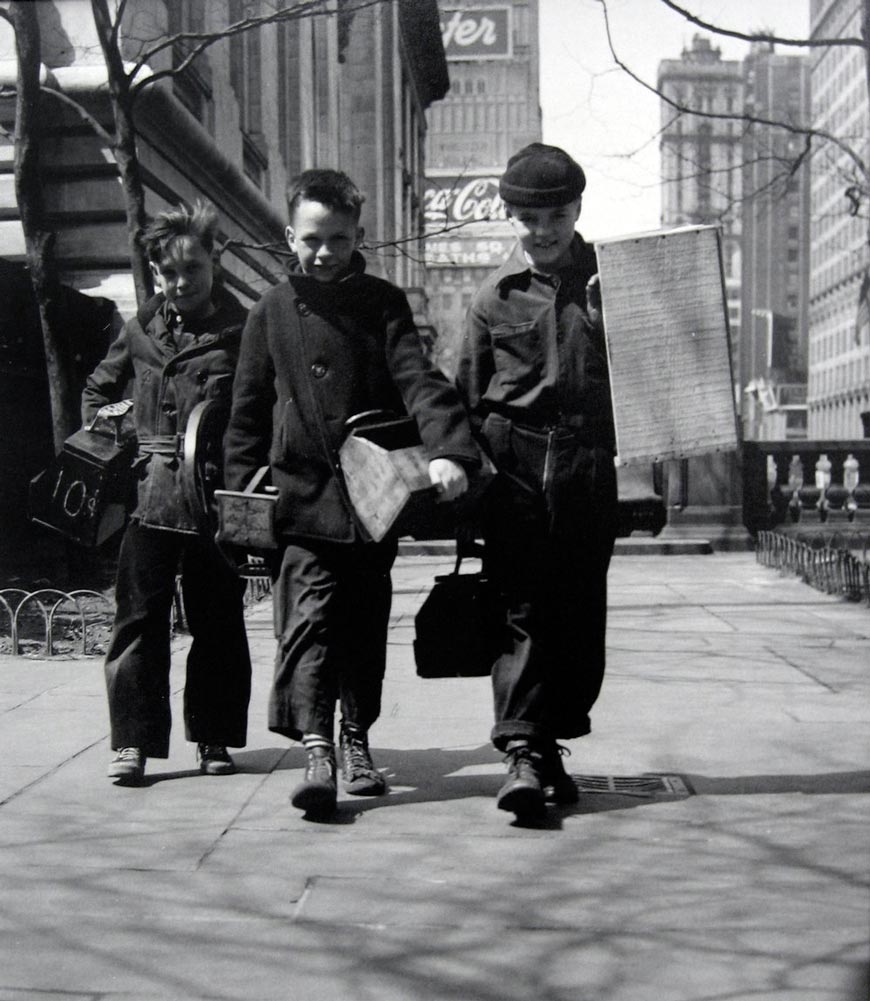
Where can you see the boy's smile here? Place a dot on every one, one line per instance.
(323, 238)
(545, 234)
(185, 275)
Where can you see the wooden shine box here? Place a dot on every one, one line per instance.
(386, 473)
(85, 492)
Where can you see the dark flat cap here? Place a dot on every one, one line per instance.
(541, 176)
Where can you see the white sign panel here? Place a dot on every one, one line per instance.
(666, 321)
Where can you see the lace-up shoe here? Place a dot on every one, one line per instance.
(522, 793)
(316, 793)
(358, 773)
(214, 760)
(128, 766)
(559, 787)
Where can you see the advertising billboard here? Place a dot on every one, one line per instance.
(466, 225)
(452, 203)
(477, 33)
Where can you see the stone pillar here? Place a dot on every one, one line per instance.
(704, 501)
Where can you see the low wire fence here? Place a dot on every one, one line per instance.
(835, 562)
(50, 622)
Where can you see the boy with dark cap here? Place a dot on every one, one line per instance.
(534, 376)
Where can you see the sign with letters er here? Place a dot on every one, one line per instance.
(666, 322)
(476, 33)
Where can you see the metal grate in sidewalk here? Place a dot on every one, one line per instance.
(644, 786)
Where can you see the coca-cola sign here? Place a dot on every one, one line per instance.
(477, 33)
(451, 202)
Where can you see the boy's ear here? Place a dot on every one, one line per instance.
(290, 237)
(155, 271)
(360, 234)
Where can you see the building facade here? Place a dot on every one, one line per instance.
(775, 243)
(340, 87)
(343, 88)
(839, 328)
(491, 110)
(701, 155)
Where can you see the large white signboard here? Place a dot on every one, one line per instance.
(667, 336)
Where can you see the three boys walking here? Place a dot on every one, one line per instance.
(531, 391)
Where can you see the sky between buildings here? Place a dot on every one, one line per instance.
(607, 121)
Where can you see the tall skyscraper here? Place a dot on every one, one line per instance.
(775, 243)
(491, 110)
(701, 154)
(839, 330)
(724, 164)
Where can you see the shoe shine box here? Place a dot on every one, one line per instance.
(84, 493)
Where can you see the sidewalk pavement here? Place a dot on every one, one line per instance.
(719, 850)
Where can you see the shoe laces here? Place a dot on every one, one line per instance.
(128, 754)
(523, 753)
(212, 752)
(356, 750)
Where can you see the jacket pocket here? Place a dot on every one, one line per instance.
(518, 354)
(293, 441)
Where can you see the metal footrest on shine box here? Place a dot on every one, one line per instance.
(247, 517)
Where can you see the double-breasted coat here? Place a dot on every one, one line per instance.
(314, 355)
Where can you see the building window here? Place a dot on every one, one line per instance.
(191, 85)
(245, 61)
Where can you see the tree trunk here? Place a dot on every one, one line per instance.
(39, 241)
(125, 149)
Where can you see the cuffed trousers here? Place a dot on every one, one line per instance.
(332, 611)
(549, 528)
(217, 685)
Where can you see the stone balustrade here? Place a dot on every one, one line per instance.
(806, 484)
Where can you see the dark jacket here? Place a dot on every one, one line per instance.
(532, 355)
(313, 355)
(166, 384)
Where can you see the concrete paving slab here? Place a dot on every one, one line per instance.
(740, 696)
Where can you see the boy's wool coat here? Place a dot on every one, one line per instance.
(313, 355)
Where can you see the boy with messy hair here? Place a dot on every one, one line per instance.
(331, 343)
(533, 373)
(179, 350)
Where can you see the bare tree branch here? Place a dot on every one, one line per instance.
(205, 39)
(94, 123)
(116, 28)
(785, 126)
(761, 36)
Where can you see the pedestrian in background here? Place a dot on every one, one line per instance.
(331, 343)
(180, 349)
(533, 374)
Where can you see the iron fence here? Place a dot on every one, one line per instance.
(835, 562)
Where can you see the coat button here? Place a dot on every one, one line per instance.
(202, 377)
(319, 369)
(302, 308)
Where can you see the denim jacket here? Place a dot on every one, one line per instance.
(532, 355)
